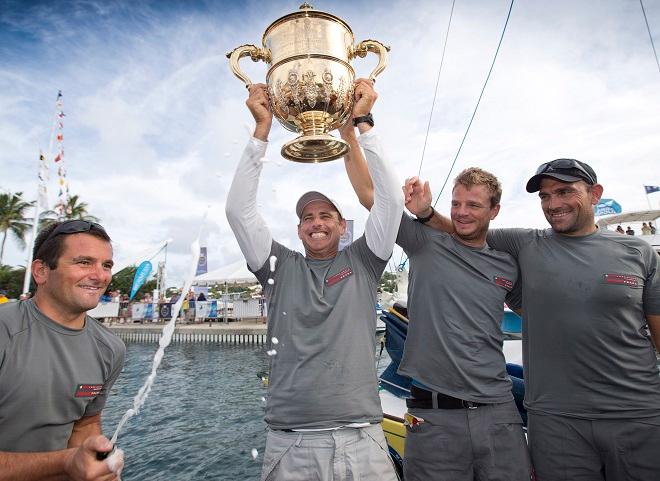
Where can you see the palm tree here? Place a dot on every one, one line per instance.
(12, 218)
(73, 210)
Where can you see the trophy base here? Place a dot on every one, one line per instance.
(314, 149)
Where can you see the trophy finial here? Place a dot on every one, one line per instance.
(306, 6)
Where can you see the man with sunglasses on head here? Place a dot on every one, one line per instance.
(590, 302)
(57, 364)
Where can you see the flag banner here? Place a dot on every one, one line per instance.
(141, 275)
(165, 311)
(202, 266)
(346, 239)
(651, 188)
(213, 312)
(42, 191)
(63, 199)
(607, 207)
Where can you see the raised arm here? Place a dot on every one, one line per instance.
(419, 201)
(356, 167)
(250, 229)
(377, 186)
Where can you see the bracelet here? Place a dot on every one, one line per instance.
(424, 220)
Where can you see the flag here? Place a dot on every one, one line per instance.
(202, 266)
(651, 188)
(606, 207)
(42, 196)
(141, 275)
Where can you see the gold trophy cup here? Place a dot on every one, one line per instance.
(310, 78)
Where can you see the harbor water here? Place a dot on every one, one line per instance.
(203, 417)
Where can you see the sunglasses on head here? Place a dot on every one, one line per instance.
(566, 164)
(75, 227)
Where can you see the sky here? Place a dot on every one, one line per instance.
(156, 122)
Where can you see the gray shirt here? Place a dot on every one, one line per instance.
(456, 297)
(585, 347)
(323, 314)
(51, 376)
(322, 311)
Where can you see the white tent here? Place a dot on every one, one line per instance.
(234, 272)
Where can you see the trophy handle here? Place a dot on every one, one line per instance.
(373, 46)
(255, 54)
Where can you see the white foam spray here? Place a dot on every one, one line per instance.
(273, 261)
(165, 339)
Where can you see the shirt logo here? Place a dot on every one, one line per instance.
(339, 276)
(502, 282)
(621, 279)
(88, 390)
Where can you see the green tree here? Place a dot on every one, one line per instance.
(74, 209)
(13, 220)
(388, 282)
(11, 280)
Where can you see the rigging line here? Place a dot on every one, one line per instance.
(474, 113)
(650, 36)
(490, 71)
(437, 83)
(435, 94)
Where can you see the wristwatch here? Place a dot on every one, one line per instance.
(424, 220)
(365, 118)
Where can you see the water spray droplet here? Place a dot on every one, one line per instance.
(271, 281)
(264, 160)
(255, 453)
(275, 340)
(283, 313)
(272, 352)
(272, 260)
(263, 399)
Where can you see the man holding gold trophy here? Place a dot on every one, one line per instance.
(323, 409)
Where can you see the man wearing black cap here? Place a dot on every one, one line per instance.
(591, 316)
(323, 410)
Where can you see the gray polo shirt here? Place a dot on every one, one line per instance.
(323, 314)
(456, 297)
(51, 376)
(585, 347)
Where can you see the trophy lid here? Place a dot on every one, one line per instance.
(305, 10)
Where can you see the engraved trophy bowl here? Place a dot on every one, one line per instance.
(310, 78)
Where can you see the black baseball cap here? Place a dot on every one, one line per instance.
(564, 170)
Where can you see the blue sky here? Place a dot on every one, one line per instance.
(155, 121)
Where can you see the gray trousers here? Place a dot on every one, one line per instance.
(571, 449)
(348, 454)
(482, 444)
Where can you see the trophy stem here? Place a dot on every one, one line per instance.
(315, 148)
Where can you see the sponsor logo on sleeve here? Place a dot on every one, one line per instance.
(621, 279)
(339, 276)
(502, 282)
(88, 390)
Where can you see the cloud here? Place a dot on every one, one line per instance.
(156, 122)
